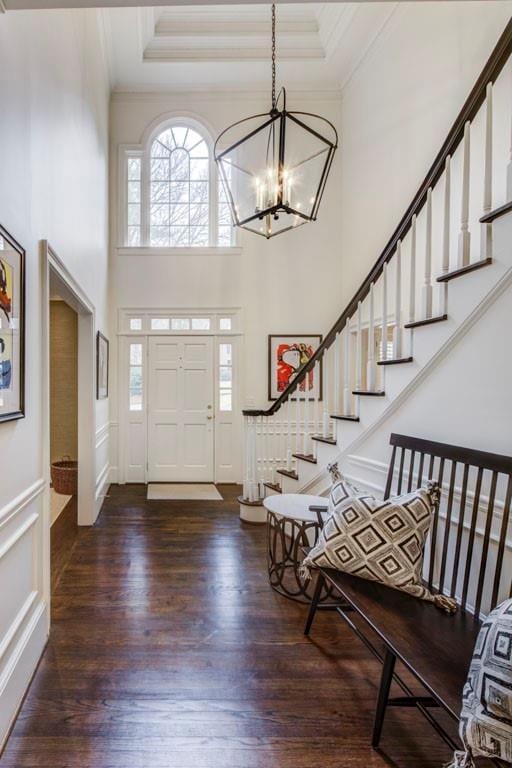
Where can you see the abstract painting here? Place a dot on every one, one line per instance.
(286, 356)
(101, 366)
(12, 325)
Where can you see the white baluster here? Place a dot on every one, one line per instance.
(359, 347)
(336, 394)
(370, 365)
(305, 445)
(509, 167)
(397, 331)
(426, 294)
(251, 459)
(326, 393)
(384, 319)
(465, 236)
(347, 394)
(486, 231)
(445, 261)
(262, 453)
(412, 274)
(297, 421)
(288, 446)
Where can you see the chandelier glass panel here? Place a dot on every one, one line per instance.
(274, 166)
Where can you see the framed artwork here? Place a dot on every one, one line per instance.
(12, 328)
(286, 356)
(101, 366)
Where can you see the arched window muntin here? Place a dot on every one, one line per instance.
(174, 198)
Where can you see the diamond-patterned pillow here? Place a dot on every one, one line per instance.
(378, 540)
(486, 717)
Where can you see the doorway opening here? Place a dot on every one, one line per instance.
(63, 432)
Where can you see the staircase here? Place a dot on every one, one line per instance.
(448, 259)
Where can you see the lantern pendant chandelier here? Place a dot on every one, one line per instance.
(274, 166)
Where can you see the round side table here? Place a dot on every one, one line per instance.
(291, 525)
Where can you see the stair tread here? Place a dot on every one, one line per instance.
(501, 211)
(305, 457)
(395, 361)
(288, 473)
(426, 321)
(344, 417)
(322, 439)
(273, 487)
(464, 270)
(368, 392)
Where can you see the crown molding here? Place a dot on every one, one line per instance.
(164, 53)
(135, 93)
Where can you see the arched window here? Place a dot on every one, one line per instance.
(174, 198)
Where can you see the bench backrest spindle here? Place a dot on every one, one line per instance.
(466, 555)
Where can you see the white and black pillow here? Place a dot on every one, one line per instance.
(378, 540)
(486, 717)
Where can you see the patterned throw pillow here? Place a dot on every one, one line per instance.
(486, 717)
(378, 540)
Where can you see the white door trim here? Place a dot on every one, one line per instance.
(76, 297)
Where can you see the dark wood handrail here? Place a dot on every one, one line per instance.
(490, 72)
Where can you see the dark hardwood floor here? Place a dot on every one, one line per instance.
(169, 650)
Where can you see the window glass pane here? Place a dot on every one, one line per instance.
(135, 355)
(199, 236)
(225, 377)
(160, 170)
(160, 192)
(133, 215)
(199, 150)
(180, 324)
(135, 324)
(199, 215)
(160, 324)
(179, 237)
(225, 325)
(134, 168)
(160, 215)
(199, 169)
(159, 237)
(199, 192)
(179, 192)
(179, 214)
(134, 192)
(180, 165)
(225, 400)
(135, 383)
(200, 323)
(133, 237)
(167, 139)
(225, 352)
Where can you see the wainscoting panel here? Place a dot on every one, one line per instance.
(24, 606)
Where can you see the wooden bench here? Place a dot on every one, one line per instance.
(465, 557)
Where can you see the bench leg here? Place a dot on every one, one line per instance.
(314, 602)
(382, 700)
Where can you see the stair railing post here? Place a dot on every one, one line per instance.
(305, 444)
(465, 235)
(486, 231)
(370, 366)
(427, 283)
(397, 332)
(336, 399)
(326, 381)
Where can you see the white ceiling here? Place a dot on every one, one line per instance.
(228, 46)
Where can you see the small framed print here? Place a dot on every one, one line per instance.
(102, 350)
(286, 356)
(12, 328)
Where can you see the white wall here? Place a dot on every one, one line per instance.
(397, 109)
(274, 282)
(53, 185)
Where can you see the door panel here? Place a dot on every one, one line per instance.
(180, 409)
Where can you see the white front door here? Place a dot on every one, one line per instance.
(180, 409)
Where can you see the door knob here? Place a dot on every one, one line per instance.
(209, 418)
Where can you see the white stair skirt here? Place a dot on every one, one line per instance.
(183, 492)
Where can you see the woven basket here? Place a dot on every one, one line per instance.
(64, 477)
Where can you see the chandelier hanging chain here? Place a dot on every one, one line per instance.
(273, 55)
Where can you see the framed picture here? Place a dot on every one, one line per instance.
(101, 366)
(286, 356)
(12, 328)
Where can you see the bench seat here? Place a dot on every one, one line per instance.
(437, 647)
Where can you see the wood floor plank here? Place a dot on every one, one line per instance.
(168, 649)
